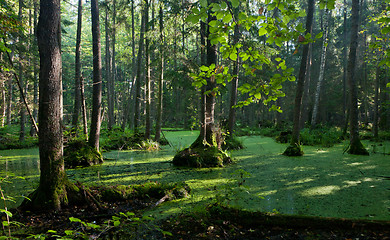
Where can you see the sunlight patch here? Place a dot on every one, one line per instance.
(300, 181)
(318, 191)
(355, 164)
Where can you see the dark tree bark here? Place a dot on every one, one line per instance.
(345, 66)
(375, 127)
(94, 134)
(77, 88)
(33, 131)
(108, 73)
(148, 76)
(51, 193)
(356, 146)
(203, 61)
(22, 114)
(299, 90)
(161, 78)
(236, 70)
(139, 73)
(111, 106)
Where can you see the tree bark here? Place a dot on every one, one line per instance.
(356, 146)
(108, 73)
(203, 61)
(83, 108)
(33, 131)
(139, 73)
(148, 76)
(161, 78)
(375, 124)
(77, 88)
(21, 55)
(301, 79)
(328, 15)
(94, 134)
(51, 193)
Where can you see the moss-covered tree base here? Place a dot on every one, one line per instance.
(232, 143)
(294, 150)
(42, 201)
(356, 148)
(80, 154)
(201, 156)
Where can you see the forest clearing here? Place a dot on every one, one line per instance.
(194, 119)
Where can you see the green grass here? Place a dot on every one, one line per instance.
(323, 182)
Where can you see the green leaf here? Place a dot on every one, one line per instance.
(227, 18)
(257, 95)
(69, 232)
(262, 31)
(213, 23)
(204, 68)
(319, 35)
(117, 223)
(73, 219)
(388, 85)
(203, 3)
(9, 214)
(233, 56)
(235, 3)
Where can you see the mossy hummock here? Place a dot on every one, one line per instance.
(79, 153)
(294, 150)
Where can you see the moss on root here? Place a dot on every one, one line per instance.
(294, 150)
(79, 153)
(201, 156)
(232, 143)
(356, 148)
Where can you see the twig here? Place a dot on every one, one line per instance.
(161, 200)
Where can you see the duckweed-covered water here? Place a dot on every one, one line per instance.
(324, 182)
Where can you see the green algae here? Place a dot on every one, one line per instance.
(323, 182)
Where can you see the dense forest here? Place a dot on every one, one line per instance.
(84, 80)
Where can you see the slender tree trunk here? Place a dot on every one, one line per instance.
(33, 131)
(306, 94)
(83, 108)
(97, 77)
(108, 74)
(356, 146)
(111, 107)
(148, 76)
(328, 15)
(203, 61)
(345, 63)
(21, 56)
(233, 96)
(161, 78)
(77, 90)
(9, 101)
(301, 81)
(3, 102)
(375, 127)
(139, 73)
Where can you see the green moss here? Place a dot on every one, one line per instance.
(119, 140)
(79, 153)
(357, 148)
(293, 150)
(199, 157)
(232, 143)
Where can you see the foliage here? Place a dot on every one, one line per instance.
(117, 139)
(9, 139)
(322, 136)
(78, 153)
(293, 150)
(232, 143)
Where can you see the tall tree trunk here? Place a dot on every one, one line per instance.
(233, 96)
(356, 146)
(94, 134)
(211, 84)
(203, 61)
(306, 94)
(3, 101)
(300, 85)
(51, 193)
(375, 127)
(108, 74)
(9, 101)
(21, 56)
(139, 73)
(328, 15)
(33, 131)
(345, 65)
(77, 88)
(161, 78)
(111, 103)
(148, 76)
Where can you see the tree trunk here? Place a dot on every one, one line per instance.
(97, 77)
(161, 78)
(233, 96)
(203, 61)
(375, 127)
(108, 73)
(148, 76)
(111, 110)
(51, 193)
(83, 108)
(356, 146)
(328, 15)
(345, 64)
(9, 101)
(33, 131)
(300, 85)
(3, 102)
(139, 73)
(77, 89)
(21, 55)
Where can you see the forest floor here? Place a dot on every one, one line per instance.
(323, 183)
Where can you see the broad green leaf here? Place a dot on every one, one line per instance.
(213, 23)
(319, 35)
(257, 95)
(233, 56)
(235, 3)
(227, 18)
(73, 219)
(204, 68)
(9, 214)
(388, 85)
(117, 223)
(203, 3)
(262, 31)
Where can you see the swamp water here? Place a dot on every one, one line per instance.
(324, 182)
